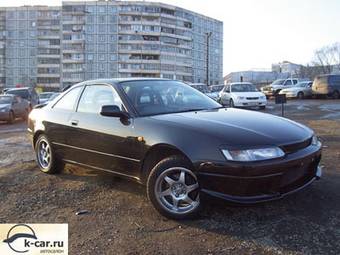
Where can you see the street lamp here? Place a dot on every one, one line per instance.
(208, 34)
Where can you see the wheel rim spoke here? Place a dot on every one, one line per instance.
(169, 180)
(192, 187)
(166, 193)
(182, 177)
(175, 203)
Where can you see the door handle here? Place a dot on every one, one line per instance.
(74, 122)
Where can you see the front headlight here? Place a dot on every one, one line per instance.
(240, 98)
(253, 154)
(316, 141)
(262, 97)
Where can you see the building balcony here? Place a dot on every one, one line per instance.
(143, 71)
(48, 56)
(47, 65)
(48, 75)
(73, 22)
(73, 61)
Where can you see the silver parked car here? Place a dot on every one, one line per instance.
(300, 90)
(44, 97)
(12, 107)
(214, 91)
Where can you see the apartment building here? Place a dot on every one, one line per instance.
(2, 46)
(102, 39)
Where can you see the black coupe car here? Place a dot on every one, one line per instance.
(176, 141)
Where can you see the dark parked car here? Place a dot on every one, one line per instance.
(26, 93)
(175, 140)
(12, 107)
(327, 85)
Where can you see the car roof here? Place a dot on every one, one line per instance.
(23, 88)
(119, 80)
(237, 83)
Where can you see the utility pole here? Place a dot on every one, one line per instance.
(207, 68)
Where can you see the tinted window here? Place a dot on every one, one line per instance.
(68, 101)
(334, 80)
(295, 81)
(161, 97)
(19, 92)
(95, 96)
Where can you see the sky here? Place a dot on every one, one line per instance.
(258, 33)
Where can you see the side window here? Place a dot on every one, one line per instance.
(288, 82)
(227, 89)
(95, 96)
(295, 81)
(68, 101)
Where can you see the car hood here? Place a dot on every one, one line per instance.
(247, 94)
(239, 127)
(4, 105)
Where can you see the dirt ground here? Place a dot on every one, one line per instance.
(122, 221)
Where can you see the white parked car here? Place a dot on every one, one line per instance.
(301, 90)
(242, 94)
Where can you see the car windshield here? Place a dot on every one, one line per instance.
(216, 88)
(243, 88)
(45, 95)
(278, 82)
(162, 97)
(5, 100)
(19, 92)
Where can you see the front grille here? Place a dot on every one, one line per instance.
(252, 98)
(291, 148)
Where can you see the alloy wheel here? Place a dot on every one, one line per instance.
(44, 154)
(176, 190)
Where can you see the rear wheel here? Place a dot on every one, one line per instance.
(300, 95)
(173, 189)
(336, 95)
(46, 159)
(11, 117)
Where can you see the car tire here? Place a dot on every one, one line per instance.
(231, 103)
(336, 95)
(262, 107)
(300, 95)
(11, 117)
(173, 189)
(46, 159)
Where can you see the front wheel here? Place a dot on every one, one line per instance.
(173, 188)
(231, 103)
(46, 159)
(300, 95)
(336, 95)
(262, 107)
(11, 117)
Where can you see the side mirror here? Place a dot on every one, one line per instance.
(113, 111)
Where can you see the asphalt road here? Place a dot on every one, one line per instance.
(122, 221)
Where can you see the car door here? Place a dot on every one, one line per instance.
(102, 142)
(16, 106)
(225, 94)
(57, 123)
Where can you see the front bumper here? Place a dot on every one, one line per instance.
(289, 94)
(250, 103)
(248, 183)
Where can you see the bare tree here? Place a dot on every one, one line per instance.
(328, 57)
